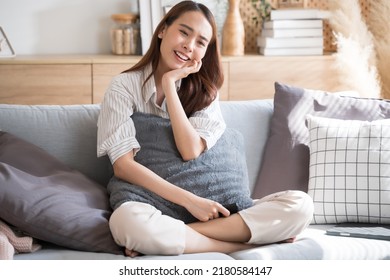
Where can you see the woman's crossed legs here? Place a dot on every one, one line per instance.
(278, 217)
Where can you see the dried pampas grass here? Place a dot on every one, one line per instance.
(355, 57)
(355, 70)
(379, 24)
(347, 20)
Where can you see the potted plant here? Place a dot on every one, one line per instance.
(263, 9)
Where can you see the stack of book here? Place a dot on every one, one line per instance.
(293, 32)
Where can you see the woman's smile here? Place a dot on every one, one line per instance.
(182, 56)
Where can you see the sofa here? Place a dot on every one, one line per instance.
(68, 133)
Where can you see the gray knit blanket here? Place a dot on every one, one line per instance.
(219, 174)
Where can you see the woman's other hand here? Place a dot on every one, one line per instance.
(205, 209)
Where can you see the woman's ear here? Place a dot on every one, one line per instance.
(161, 32)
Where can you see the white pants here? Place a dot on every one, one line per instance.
(276, 217)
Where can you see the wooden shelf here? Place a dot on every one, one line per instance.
(82, 79)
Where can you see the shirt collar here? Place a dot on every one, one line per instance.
(149, 89)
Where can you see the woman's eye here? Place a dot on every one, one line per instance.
(203, 43)
(183, 32)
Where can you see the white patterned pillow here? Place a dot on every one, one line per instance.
(349, 170)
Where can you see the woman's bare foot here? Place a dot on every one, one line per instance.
(131, 253)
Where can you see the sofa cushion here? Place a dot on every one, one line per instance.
(49, 201)
(286, 158)
(314, 244)
(219, 173)
(67, 132)
(349, 177)
(254, 126)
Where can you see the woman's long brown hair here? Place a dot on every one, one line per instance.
(199, 89)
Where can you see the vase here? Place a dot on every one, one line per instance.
(233, 33)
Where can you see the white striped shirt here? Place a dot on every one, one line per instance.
(126, 95)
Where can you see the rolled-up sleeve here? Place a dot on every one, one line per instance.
(209, 123)
(116, 131)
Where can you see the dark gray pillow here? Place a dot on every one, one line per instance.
(42, 197)
(286, 157)
(219, 174)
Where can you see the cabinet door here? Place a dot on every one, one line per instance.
(102, 76)
(255, 79)
(45, 84)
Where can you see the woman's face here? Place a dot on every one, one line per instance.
(185, 40)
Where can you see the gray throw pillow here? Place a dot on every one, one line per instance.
(49, 201)
(286, 158)
(219, 174)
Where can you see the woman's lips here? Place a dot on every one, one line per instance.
(182, 56)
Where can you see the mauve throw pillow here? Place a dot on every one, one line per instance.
(286, 156)
(47, 200)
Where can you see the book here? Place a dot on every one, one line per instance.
(292, 32)
(291, 51)
(297, 23)
(299, 14)
(290, 42)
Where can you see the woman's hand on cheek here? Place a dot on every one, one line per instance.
(170, 77)
(195, 67)
(190, 67)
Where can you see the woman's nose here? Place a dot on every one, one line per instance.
(189, 45)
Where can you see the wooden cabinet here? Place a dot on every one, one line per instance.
(102, 75)
(253, 77)
(84, 79)
(45, 84)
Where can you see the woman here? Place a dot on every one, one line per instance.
(178, 78)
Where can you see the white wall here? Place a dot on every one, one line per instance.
(61, 26)
(71, 26)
